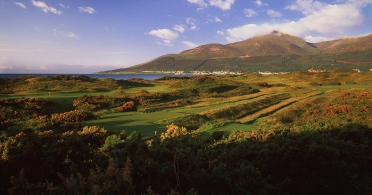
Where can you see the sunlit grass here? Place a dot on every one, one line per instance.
(297, 84)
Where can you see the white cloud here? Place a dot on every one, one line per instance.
(201, 3)
(64, 6)
(87, 9)
(20, 5)
(45, 8)
(72, 35)
(164, 34)
(250, 13)
(273, 13)
(189, 44)
(307, 6)
(324, 21)
(191, 21)
(222, 4)
(69, 34)
(316, 39)
(6, 67)
(259, 3)
(220, 33)
(200, 9)
(36, 67)
(329, 21)
(193, 28)
(247, 31)
(360, 3)
(216, 19)
(179, 28)
(167, 35)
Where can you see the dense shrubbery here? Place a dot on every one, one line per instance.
(335, 161)
(142, 101)
(7, 85)
(95, 103)
(320, 146)
(340, 108)
(349, 107)
(15, 111)
(40, 114)
(192, 121)
(61, 83)
(72, 116)
(207, 86)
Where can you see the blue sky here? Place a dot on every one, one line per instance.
(85, 36)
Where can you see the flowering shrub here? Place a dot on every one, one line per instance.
(128, 106)
(72, 116)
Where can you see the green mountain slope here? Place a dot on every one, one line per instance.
(350, 45)
(273, 44)
(272, 52)
(211, 51)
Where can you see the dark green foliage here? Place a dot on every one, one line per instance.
(7, 85)
(64, 83)
(13, 112)
(330, 82)
(191, 122)
(216, 135)
(323, 145)
(210, 86)
(42, 154)
(314, 162)
(313, 83)
(334, 161)
(95, 103)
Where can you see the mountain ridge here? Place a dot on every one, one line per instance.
(275, 51)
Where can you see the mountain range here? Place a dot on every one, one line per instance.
(275, 52)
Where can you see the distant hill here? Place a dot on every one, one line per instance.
(211, 51)
(276, 52)
(350, 45)
(275, 43)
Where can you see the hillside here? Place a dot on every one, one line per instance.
(211, 51)
(350, 45)
(276, 52)
(273, 44)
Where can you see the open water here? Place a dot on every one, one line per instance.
(114, 76)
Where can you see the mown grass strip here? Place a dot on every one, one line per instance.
(241, 110)
(266, 111)
(235, 99)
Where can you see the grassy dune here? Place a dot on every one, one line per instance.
(206, 111)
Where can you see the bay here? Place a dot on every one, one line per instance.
(114, 76)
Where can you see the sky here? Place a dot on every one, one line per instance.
(86, 36)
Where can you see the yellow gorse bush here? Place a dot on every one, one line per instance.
(173, 131)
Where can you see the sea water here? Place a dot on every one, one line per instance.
(114, 76)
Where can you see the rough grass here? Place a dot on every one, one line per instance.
(147, 123)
